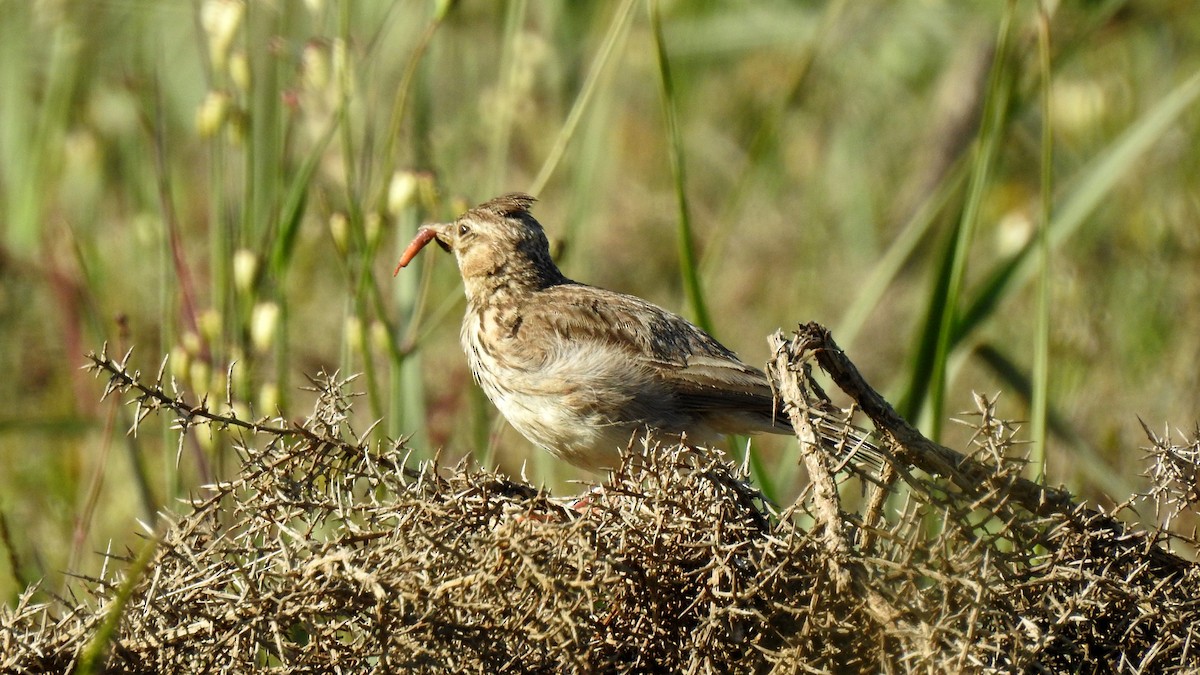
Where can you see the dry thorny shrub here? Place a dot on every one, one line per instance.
(328, 554)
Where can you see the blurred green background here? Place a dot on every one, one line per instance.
(225, 182)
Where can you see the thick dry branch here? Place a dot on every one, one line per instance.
(801, 397)
(912, 449)
(909, 445)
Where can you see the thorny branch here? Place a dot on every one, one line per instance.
(329, 414)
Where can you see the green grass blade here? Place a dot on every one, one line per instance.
(996, 104)
(913, 402)
(687, 249)
(1041, 350)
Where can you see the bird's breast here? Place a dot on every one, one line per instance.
(569, 397)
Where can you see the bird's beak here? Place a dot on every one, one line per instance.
(425, 234)
(441, 235)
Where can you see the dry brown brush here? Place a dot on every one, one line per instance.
(329, 553)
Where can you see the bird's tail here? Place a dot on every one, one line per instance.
(851, 445)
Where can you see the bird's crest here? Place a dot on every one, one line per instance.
(511, 204)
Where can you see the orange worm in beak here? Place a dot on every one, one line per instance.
(424, 236)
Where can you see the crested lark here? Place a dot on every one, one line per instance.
(581, 370)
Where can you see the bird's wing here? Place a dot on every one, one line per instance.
(702, 374)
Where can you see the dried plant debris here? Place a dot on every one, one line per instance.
(328, 554)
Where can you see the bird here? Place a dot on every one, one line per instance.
(583, 371)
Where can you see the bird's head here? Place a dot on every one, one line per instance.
(499, 239)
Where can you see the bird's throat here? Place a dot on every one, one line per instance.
(508, 284)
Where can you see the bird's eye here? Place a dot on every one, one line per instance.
(464, 230)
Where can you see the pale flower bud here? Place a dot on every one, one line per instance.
(339, 229)
(379, 336)
(200, 378)
(245, 267)
(239, 70)
(1077, 106)
(1013, 231)
(220, 20)
(210, 326)
(190, 343)
(314, 66)
(212, 112)
(372, 228)
(401, 191)
(264, 318)
(181, 360)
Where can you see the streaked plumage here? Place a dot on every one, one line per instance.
(580, 370)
